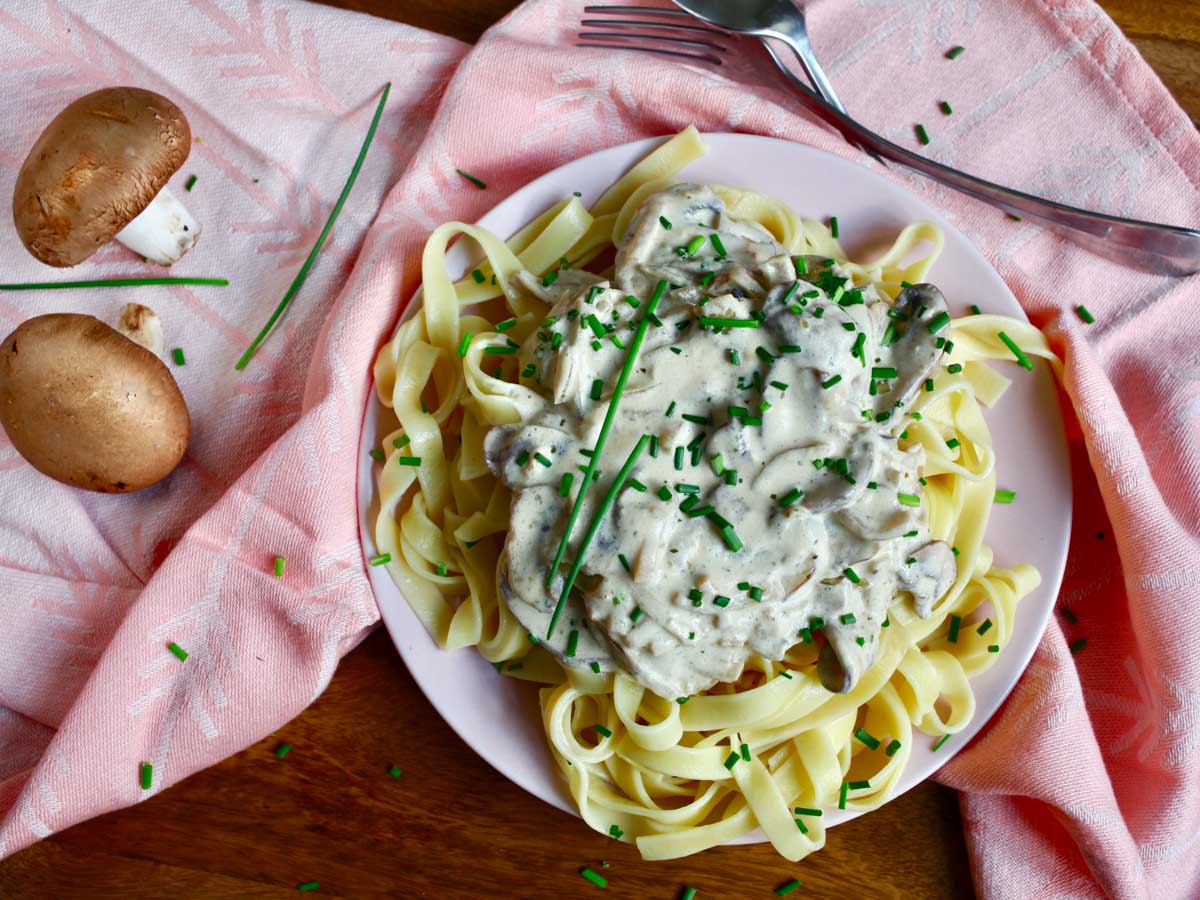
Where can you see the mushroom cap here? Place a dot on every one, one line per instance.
(89, 407)
(96, 166)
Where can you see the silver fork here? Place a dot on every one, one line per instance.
(1149, 246)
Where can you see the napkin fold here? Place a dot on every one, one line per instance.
(1085, 782)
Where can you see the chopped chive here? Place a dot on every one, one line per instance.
(636, 485)
(593, 877)
(854, 579)
(636, 614)
(665, 222)
(670, 409)
(833, 226)
(717, 245)
(954, 368)
(464, 344)
(955, 53)
(549, 278)
(601, 730)
(1004, 497)
(1022, 359)
(721, 322)
(177, 355)
(689, 893)
(664, 493)
(801, 265)
(505, 325)
(908, 499)
(597, 388)
(765, 355)
(376, 454)
(938, 322)
(784, 889)
(692, 417)
(654, 446)
(734, 357)
(922, 134)
(178, 651)
(953, 442)
(866, 737)
(302, 275)
(945, 108)
(732, 541)
(831, 382)
(500, 351)
(280, 562)
(1077, 645)
(859, 785)
(882, 373)
(732, 759)
(790, 497)
(942, 740)
(756, 593)
(718, 465)
(380, 559)
(847, 618)
(975, 310)
(395, 771)
(471, 178)
(283, 750)
(745, 752)
(929, 385)
(955, 625)
(695, 596)
(478, 276)
(842, 795)
(985, 627)
(721, 600)
(1082, 312)
(615, 831)
(890, 749)
(308, 886)
(730, 477)
(791, 348)
(993, 648)
(572, 643)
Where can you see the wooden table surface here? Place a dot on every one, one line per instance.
(450, 826)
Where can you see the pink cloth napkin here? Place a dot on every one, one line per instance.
(1086, 783)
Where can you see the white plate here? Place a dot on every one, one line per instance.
(498, 717)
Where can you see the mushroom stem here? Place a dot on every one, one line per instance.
(162, 232)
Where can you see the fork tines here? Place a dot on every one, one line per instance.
(669, 38)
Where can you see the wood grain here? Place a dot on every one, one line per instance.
(256, 826)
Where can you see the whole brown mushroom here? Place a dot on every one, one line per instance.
(99, 172)
(88, 406)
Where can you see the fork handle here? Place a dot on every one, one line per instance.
(1161, 249)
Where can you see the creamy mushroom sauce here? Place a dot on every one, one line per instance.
(788, 406)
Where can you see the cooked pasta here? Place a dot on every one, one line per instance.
(678, 775)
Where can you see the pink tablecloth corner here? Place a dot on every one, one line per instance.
(1086, 782)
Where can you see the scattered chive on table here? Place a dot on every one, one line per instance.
(378, 796)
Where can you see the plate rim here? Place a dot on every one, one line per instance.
(1050, 583)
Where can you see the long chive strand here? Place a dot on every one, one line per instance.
(609, 417)
(594, 526)
(302, 275)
